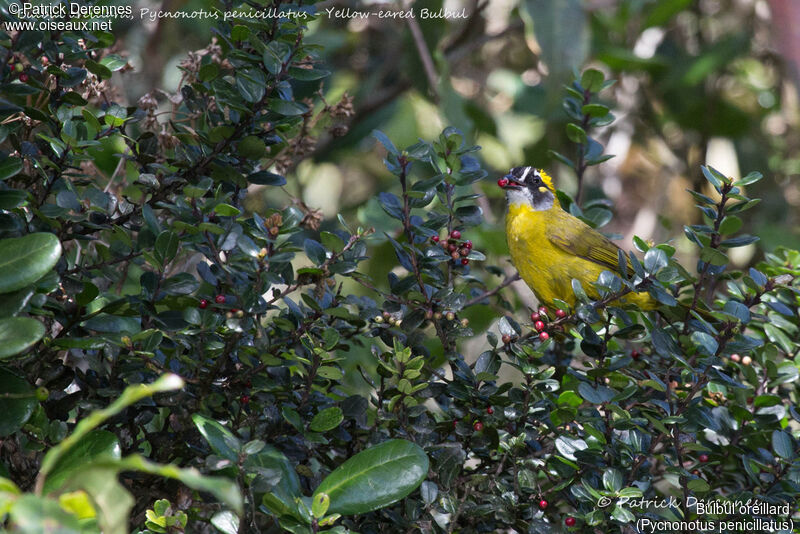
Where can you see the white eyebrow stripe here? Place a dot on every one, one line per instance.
(525, 174)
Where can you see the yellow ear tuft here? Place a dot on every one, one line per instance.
(547, 180)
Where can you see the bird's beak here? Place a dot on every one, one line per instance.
(510, 182)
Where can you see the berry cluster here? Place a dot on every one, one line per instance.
(453, 245)
(221, 299)
(19, 69)
(429, 315)
(389, 318)
(540, 316)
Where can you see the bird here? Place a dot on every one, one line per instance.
(550, 247)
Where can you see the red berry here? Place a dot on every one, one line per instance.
(248, 384)
(543, 504)
(635, 354)
(570, 521)
(464, 261)
(506, 339)
(23, 77)
(478, 426)
(490, 410)
(703, 458)
(560, 313)
(435, 239)
(234, 310)
(452, 247)
(219, 299)
(535, 317)
(455, 234)
(502, 182)
(542, 310)
(544, 336)
(203, 304)
(468, 244)
(455, 423)
(245, 399)
(539, 326)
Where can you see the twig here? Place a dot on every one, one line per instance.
(424, 56)
(505, 283)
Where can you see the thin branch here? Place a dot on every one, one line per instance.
(424, 56)
(505, 283)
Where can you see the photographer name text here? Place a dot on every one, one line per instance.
(62, 16)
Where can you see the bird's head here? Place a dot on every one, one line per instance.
(531, 186)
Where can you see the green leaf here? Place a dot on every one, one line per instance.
(327, 419)
(713, 256)
(226, 522)
(101, 71)
(251, 84)
(699, 485)
(705, 342)
(376, 477)
(281, 498)
(622, 514)
(18, 334)
(266, 178)
(11, 198)
(115, 116)
(221, 440)
(592, 80)
(730, 224)
(208, 72)
(166, 246)
(751, 178)
(612, 480)
(308, 75)
(569, 398)
(320, 504)
(17, 402)
(275, 53)
(23, 260)
(594, 110)
(35, 515)
(782, 444)
(10, 167)
(385, 141)
(114, 62)
(713, 176)
(315, 251)
(226, 210)
(112, 324)
(95, 445)
(286, 107)
(654, 260)
(777, 336)
(575, 133)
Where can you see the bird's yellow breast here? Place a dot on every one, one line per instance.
(545, 267)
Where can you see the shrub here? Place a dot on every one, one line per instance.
(159, 270)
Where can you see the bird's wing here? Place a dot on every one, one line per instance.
(577, 238)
